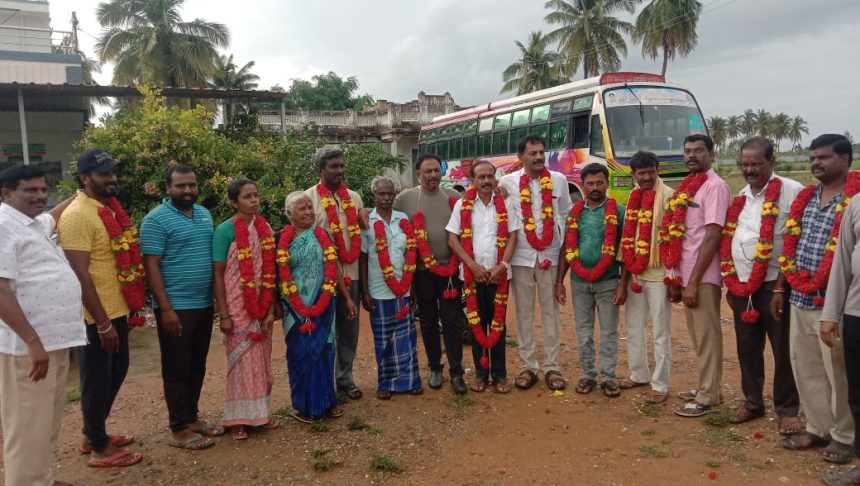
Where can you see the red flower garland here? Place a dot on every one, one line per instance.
(636, 252)
(547, 217)
(801, 280)
(673, 228)
(288, 286)
(398, 287)
(607, 250)
(470, 286)
(763, 249)
(257, 304)
(125, 244)
(346, 203)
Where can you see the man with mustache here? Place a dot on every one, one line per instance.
(176, 242)
(699, 271)
(40, 321)
(535, 261)
(595, 291)
(818, 358)
(757, 286)
(103, 362)
(433, 202)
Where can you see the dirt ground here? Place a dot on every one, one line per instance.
(525, 437)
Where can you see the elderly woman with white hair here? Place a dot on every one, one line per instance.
(309, 280)
(387, 264)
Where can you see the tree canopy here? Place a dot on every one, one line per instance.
(327, 92)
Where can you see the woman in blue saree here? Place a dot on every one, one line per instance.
(310, 341)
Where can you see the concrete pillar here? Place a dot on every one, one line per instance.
(25, 145)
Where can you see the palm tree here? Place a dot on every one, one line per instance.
(589, 34)
(733, 127)
(668, 28)
(718, 129)
(780, 127)
(227, 76)
(762, 123)
(149, 43)
(748, 122)
(533, 71)
(796, 131)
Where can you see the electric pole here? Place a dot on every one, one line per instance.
(75, 32)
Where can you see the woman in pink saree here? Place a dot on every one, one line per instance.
(243, 255)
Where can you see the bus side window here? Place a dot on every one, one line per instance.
(596, 137)
(558, 135)
(470, 146)
(579, 138)
(454, 153)
(485, 144)
(516, 135)
(500, 143)
(539, 130)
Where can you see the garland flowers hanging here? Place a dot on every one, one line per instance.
(801, 280)
(500, 302)
(430, 263)
(288, 286)
(763, 249)
(397, 287)
(673, 228)
(546, 216)
(329, 205)
(125, 244)
(607, 249)
(257, 303)
(636, 252)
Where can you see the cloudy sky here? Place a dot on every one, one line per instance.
(780, 55)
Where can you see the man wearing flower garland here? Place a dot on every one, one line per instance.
(436, 281)
(691, 232)
(337, 211)
(590, 250)
(752, 244)
(95, 258)
(543, 202)
(811, 236)
(176, 240)
(482, 233)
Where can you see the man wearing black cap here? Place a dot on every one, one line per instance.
(103, 362)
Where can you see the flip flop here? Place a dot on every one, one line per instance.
(115, 440)
(116, 460)
(273, 423)
(194, 442)
(305, 419)
(210, 430)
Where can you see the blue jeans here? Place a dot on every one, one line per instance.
(586, 298)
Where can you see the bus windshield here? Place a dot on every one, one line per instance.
(656, 119)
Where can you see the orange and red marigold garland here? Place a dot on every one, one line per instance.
(125, 244)
(430, 263)
(636, 252)
(257, 302)
(288, 286)
(546, 216)
(763, 249)
(673, 228)
(500, 302)
(801, 280)
(329, 205)
(398, 287)
(607, 250)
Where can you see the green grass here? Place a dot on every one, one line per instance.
(724, 437)
(463, 401)
(382, 462)
(719, 417)
(652, 451)
(283, 412)
(323, 464)
(511, 342)
(649, 409)
(357, 423)
(374, 431)
(73, 395)
(319, 426)
(648, 432)
(712, 463)
(342, 398)
(320, 451)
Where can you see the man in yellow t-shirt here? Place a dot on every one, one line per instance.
(103, 362)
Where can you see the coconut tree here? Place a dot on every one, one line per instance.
(780, 127)
(150, 43)
(589, 33)
(748, 122)
(797, 130)
(229, 76)
(533, 70)
(668, 28)
(718, 130)
(763, 123)
(733, 127)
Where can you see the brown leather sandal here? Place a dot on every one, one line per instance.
(526, 379)
(554, 380)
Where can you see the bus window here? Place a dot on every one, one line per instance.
(516, 135)
(583, 103)
(558, 134)
(539, 130)
(485, 125)
(502, 122)
(520, 118)
(579, 138)
(471, 126)
(540, 114)
(470, 146)
(454, 151)
(422, 148)
(485, 144)
(596, 138)
(442, 150)
(500, 143)
(560, 110)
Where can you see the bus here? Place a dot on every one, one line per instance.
(603, 119)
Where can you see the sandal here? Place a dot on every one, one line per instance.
(554, 380)
(335, 412)
(478, 386)
(305, 419)
(122, 458)
(743, 415)
(383, 395)
(210, 430)
(194, 442)
(843, 476)
(526, 379)
(838, 453)
(656, 397)
(503, 386)
(611, 389)
(627, 384)
(803, 441)
(354, 393)
(790, 426)
(416, 391)
(115, 440)
(585, 386)
(273, 423)
(239, 433)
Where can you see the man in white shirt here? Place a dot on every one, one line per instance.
(535, 260)
(757, 164)
(41, 317)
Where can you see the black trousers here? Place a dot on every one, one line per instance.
(751, 342)
(851, 340)
(346, 338)
(432, 308)
(183, 364)
(102, 374)
(486, 294)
